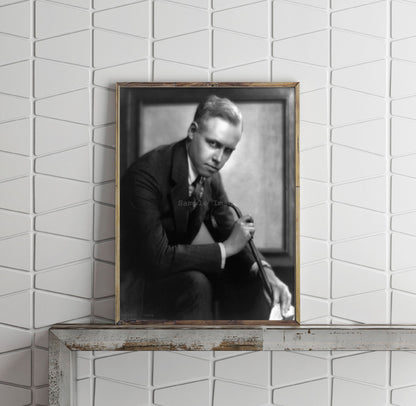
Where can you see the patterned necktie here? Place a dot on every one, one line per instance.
(198, 192)
(195, 216)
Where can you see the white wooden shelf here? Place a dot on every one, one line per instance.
(66, 339)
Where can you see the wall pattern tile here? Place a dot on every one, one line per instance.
(59, 62)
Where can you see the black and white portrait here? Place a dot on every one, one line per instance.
(207, 202)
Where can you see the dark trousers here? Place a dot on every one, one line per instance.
(192, 295)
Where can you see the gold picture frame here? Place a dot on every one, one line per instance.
(147, 116)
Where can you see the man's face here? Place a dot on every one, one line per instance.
(212, 144)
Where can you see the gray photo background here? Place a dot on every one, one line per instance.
(253, 177)
(59, 61)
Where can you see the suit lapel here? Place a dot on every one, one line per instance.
(179, 191)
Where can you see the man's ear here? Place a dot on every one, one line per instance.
(193, 128)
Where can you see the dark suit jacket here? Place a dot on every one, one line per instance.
(154, 217)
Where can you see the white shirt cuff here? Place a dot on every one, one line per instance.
(223, 255)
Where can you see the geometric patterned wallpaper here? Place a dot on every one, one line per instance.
(318, 378)
(356, 61)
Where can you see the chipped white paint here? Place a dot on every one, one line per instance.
(64, 340)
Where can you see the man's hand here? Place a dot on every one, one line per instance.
(281, 294)
(243, 231)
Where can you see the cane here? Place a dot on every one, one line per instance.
(257, 257)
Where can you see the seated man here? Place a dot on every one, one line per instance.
(182, 239)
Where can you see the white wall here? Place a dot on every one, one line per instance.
(356, 61)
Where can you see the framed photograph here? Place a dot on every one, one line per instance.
(207, 203)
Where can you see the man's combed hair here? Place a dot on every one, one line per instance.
(215, 106)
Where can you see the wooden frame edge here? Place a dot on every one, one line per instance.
(117, 211)
(297, 183)
(61, 374)
(207, 84)
(66, 339)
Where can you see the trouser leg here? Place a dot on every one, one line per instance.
(180, 296)
(241, 297)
